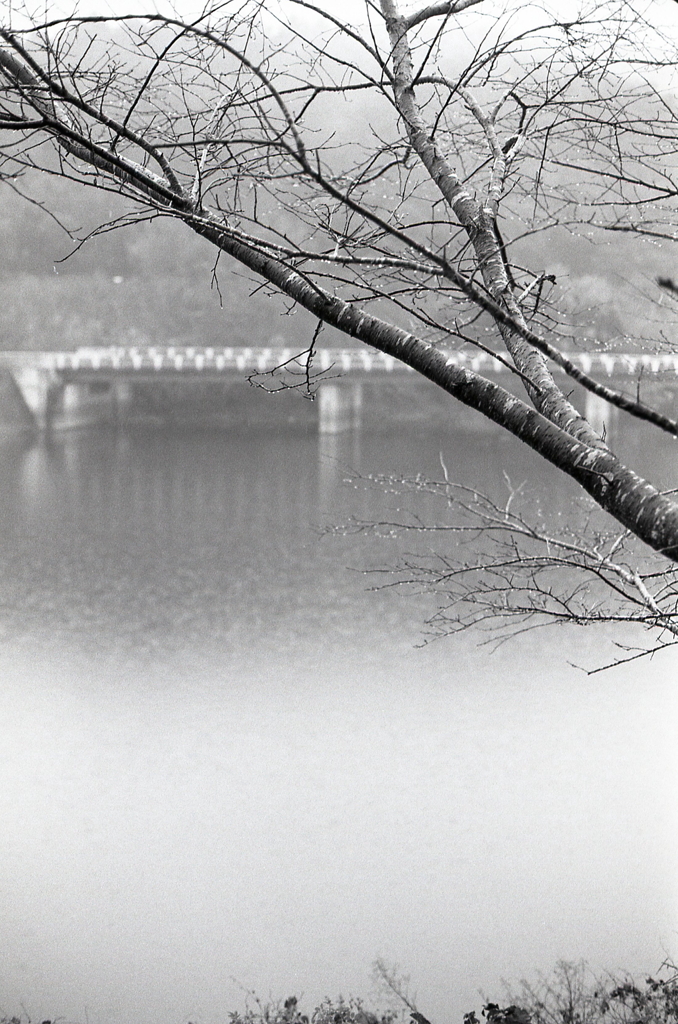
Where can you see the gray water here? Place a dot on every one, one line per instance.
(226, 763)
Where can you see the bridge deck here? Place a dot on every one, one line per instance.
(209, 361)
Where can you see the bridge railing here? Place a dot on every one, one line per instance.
(196, 359)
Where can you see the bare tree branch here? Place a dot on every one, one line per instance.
(439, 10)
(409, 224)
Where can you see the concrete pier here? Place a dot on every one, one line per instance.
(122, 394)
(601, 415)
(339, 407)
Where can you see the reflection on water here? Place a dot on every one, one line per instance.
(224, 758)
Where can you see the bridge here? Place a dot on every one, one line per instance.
(154, 361)
(70, 388)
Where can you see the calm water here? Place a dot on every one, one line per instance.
(225, 763)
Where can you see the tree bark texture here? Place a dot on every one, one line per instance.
(478, 220)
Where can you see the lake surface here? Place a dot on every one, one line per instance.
(226, 763)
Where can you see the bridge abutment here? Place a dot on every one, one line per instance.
(41, 391)
(51, 402)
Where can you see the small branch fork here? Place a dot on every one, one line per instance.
(300, 375)
(439, 10)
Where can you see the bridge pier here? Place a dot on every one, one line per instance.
(601, 415)
(122, 393)
(339, 407)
